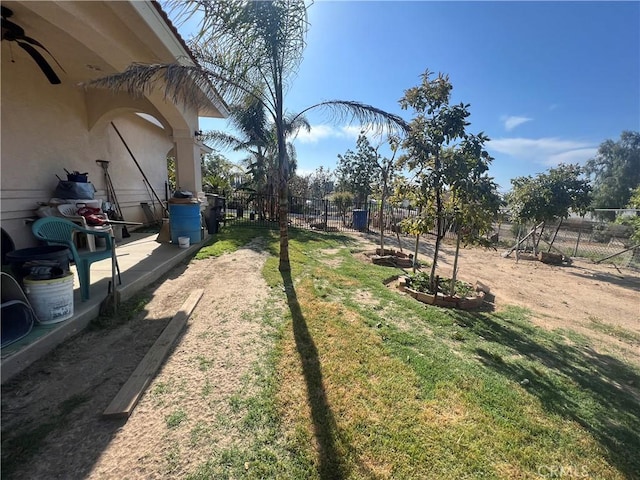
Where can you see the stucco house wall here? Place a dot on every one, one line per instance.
(48, 128)
(43, 133)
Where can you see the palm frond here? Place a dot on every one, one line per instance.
(350, 111)
(224, 140)
(180, 83)
(250, 118)
(259, 43)
(293, 123)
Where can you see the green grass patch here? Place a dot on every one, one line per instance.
(127, 311)
(372, 384)
(614, 331)
(204, 363)
(263, 452)
(175, 418)
(231, 238)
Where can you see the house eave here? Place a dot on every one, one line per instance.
(159, 21)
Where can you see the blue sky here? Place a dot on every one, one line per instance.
(548, 82)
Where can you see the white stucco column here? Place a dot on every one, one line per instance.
(188, 170)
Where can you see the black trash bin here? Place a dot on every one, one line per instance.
(213, 220)
(21, 261)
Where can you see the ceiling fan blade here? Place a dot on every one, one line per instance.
(42, 63)
(11, 29)
(33, 41)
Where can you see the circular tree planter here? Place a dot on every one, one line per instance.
(441, 300)
(392, 258)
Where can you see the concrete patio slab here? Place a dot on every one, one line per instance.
(142, 261)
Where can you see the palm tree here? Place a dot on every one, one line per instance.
(246, 48)
(257, 137)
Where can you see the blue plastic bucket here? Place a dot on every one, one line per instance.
(360, 219)
(184, 221)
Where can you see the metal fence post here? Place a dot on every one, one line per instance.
(326, 213)
(575, 250)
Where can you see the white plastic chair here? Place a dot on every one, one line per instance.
(70, 212)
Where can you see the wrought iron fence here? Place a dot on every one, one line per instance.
(597, 241)
(319, 214)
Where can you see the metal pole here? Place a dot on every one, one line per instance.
(140, 168)
(555, 235)
(326, 213)
(616, 254)
(523, 239)
(575, 250)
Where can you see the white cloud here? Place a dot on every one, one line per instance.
(351, 131)
(321, 132)
(580, 155)
(511, 122)
(316, 133)
(544, 151)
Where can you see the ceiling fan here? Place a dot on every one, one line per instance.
(15, 33)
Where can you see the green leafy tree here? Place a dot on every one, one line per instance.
(321, 182)
(343, 202)
(473, 199)
(633, 221)
(437, 147)
(549, 196)
(245, 48)
(408, 192)
(217, 173)
(299, 185)
(385, 171)
(615, 171)
(171, 173)
(356, 171)
(256, 137)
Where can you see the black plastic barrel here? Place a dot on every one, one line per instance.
(21, 261)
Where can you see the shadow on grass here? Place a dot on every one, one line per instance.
(324, 424)
(597, 391)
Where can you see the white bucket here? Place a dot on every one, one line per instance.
(52, 299)
(184, 242)
(117, 232)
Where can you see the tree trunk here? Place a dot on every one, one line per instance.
(436, 251)
(439, 227)
(415, 253)
(284, 265)
(381, 224)
(283, 192)
(455, 265)
(326, 214)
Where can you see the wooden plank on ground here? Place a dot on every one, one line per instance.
(125, 401)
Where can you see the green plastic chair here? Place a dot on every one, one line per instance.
(58, 231)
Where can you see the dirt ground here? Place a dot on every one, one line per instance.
(576, 297)
(216, 354)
